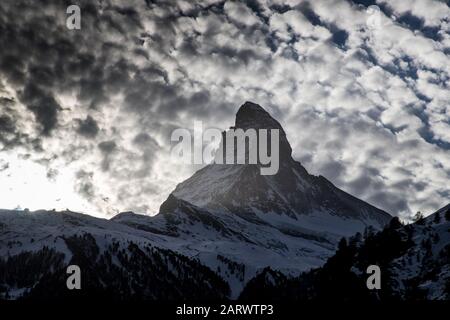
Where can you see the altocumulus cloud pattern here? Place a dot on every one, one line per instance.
(86, 115)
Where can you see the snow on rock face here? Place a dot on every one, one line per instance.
(426, 265)
(414, 262)
(290, 221)
(119, 260)
(31, 231)
(253, 116)
(241, 189)
(230, 217)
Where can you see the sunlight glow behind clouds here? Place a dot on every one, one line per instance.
(367, 107)
(26, 184)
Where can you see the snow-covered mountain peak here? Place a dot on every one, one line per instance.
(240, 189)
(229, 217)
(252, 116)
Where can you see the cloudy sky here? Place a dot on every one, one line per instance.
(361, 87)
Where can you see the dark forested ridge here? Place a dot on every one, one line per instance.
(414, 261)
(116, 273)
(119, 262)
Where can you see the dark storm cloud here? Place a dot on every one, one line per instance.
(94, 64)
(107, 147)
(86, 189)
(52, 174)
(42, 57)
(10, 135)
(109, 95)
(391, 202)
(360, 184)
(7, 124)
(148, 147)
(87, 127)
(43, 105)
(143, 139)
(4, 166)
(333, 170)
(84, 185)
(23, 63)
(12, 66)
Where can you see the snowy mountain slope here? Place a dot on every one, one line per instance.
(414, 261)
(230, 218)
(290, 221)
(32, 230)
(241, 189)
(424, 270)
(210, 236)
(116, 261)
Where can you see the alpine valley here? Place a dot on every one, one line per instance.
(229, 232)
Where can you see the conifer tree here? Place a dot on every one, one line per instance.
(447, 215)
(342, 244)
(437, 218)
(418, 218)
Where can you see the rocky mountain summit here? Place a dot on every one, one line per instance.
(227, 221)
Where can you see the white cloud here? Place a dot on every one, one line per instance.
(240, 13)
(433, 12)
(363, 112)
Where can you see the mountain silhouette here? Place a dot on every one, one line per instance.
(226, 223)
(293, 192)
(291, 221)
